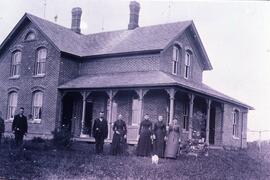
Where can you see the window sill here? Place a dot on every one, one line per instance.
(35, 121)
(14, 77)
(39, 76)
(9, 120)
(237, 138)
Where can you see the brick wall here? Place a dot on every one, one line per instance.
(120, 64)
(185, 40)
(26, 83)
(228, 139)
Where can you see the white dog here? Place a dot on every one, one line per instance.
(155, 159)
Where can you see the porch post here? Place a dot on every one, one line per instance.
(110, 112)
(141, 93)
(190, 115)
(171, 94)
(208, 102)
(83, 112)
(222, 123)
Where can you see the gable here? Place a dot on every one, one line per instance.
(16, 37)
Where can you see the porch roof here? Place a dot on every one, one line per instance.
(144, 79)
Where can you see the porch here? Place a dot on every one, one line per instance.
(194, 111)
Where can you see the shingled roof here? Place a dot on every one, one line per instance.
(155, 37)
(144, 79)
(149, 38)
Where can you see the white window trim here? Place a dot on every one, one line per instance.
(9, 118)
(41, 106)
(15, 64)
(175, 60)
(187, 64)
(235, 135)
(40, 61)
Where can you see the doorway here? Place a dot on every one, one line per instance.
(212, 126)
(88, 121)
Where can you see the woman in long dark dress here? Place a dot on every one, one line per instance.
(145, 132)
(159, 137)
(119, 136)
(173, 140)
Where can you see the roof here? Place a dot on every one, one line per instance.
(141, 39)
(144, 79)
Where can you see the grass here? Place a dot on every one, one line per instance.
(43, 161)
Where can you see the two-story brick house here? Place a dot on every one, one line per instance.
(61, 76)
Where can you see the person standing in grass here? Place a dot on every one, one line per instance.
(173, 140)
(159, 134)
(100, 132)
(119, 136)
(145, 144)
(19, 127)
(2, 126)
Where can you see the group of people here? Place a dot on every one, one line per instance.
(19, 127)
(154, 139)
(157, 140)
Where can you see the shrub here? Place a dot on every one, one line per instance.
(62, 137)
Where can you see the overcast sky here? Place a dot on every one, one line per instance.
(235, 34)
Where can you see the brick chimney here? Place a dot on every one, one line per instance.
(134, 15)
(76, 19)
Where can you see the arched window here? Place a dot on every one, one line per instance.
(30, 36)
(40, 61)
(235, 123)
(16, 64)
(37, 105)
(175, 59)
(12, 104)
(187, 64)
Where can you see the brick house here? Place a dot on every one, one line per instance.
(61, 76)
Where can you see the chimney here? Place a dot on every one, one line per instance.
(76, 19)
(134, 15)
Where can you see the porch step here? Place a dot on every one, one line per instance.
(215, 147)
(91, 139)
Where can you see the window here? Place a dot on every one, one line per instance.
(37, 105)
(16, 64)
(40, 61)
(187, 65)
(135, 112)
(12, 105)
(185, 120)
(175, 60)
(30, 36)
(235, 123)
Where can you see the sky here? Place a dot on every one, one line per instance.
(235, 34)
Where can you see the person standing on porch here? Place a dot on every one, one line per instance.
(100, 133)
(159, 135)
(19, 127)
(145, 144)
(2, 127)
(119, 136)
(173, 140)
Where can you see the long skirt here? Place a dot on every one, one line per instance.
(159, 145)
(172, 145)
(144, 144)
(118, 144)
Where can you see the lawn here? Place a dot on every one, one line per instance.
(44, 161)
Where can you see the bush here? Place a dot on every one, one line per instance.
(62, 137)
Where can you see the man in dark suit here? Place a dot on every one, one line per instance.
(2, 126)
(19, 127)
(100, 132)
